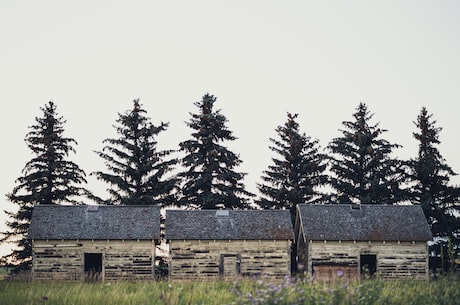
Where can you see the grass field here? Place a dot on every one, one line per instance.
(443, 291)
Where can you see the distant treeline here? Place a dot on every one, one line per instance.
(357, 167)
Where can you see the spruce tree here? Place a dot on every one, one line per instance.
(209, 179)
(298, 172)
(137, 171)
(48, 178)
(439, 200)
(361, 163)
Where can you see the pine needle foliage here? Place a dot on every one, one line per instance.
(209, 180)
(137, 172)
(296, 173)
(431, 189)
(48, 178)
(363, 170)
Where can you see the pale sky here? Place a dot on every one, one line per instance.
(261, 59)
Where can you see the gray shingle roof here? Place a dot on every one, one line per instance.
(228, 224)
(369, 222)
(95, 222)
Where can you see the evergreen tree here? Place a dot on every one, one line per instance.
(431, 175)
(137, 170)
(209, 179)
(295, 176)
(49, 178)
(361, 163)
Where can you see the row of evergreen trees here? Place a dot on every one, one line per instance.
(358, 167)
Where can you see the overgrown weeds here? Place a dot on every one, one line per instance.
(364, 292)
(444, 291)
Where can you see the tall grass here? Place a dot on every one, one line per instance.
(12, 293)
(258, 291)
(365, 292)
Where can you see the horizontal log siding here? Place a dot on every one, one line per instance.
(191, 259)
(394, 260)
(64, 260)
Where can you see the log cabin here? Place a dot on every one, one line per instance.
(350, 241)
(223, 244)
(76, 243)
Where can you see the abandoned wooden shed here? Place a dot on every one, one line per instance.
(96, 242)
(209, 244)
(352, 240)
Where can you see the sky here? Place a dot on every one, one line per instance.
(261, 59)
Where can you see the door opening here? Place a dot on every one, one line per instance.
(230, 264)
(93, 266)
(368, 264)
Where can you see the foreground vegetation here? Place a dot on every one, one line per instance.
(443, 291)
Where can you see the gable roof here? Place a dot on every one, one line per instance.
(95, 222)
(363, 222)
(228, 224)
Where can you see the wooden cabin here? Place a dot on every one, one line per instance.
(74, 243)
(211, 244)
(350, 241)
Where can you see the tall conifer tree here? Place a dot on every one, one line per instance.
(431, 176)
(137, 171)
(210, 180)
(298, 172)
(362, 166)
(49, 178)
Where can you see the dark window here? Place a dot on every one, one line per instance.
(368, 264)
(93, 266)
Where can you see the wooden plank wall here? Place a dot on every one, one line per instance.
(394, 259)
(302, 255)
(192, 259)
(121, 260)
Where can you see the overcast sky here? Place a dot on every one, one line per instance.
(261, 59)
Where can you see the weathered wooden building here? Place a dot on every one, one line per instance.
(94, 242)
(349, 241)
(210, 244)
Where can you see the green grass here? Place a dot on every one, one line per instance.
(443, 291)
(114, 293)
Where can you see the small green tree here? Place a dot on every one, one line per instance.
(294, 177)
(361, 163)
(137, 171)
(440, 201)
(49, 178)
(209, 179)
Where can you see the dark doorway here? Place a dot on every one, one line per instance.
(368, 264)
(93, 266)
(230, 264)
